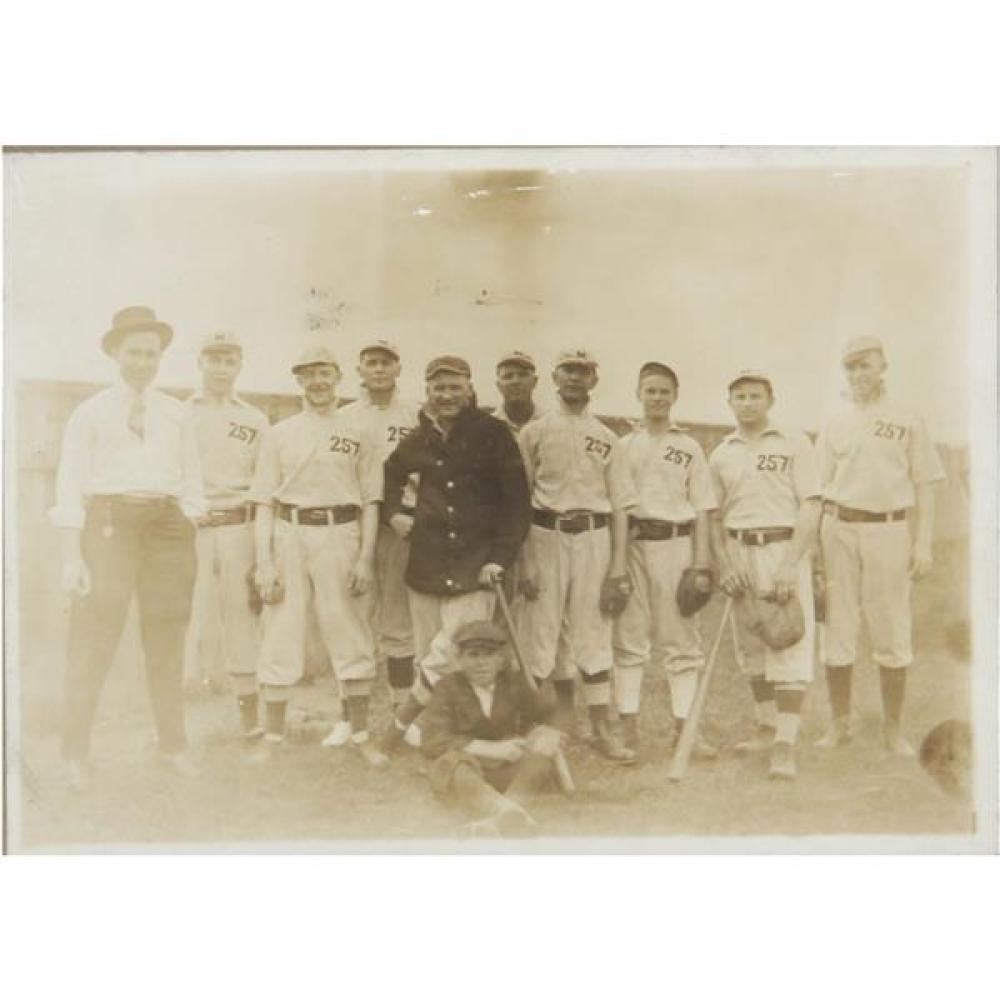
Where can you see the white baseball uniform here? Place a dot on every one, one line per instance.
(761, 484)
(673, 484)
(872, 457)
(575, 466)
(389, 424)
(223, 633)
(316, 468)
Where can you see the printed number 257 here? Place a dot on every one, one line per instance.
(772, 463)
(601, 447)
(242, 433)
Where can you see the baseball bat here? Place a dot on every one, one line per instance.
(563, 775)
(682, 755)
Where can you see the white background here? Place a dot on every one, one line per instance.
(435, 73)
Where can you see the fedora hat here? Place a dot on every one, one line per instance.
(135, 319)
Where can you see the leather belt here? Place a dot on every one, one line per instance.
(652, 529)
(315, 516)
(863, 516)
(571, 524)
(231, 515)
(136, 499)
(761, 536)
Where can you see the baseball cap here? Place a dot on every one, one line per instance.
(222, 340)
(577, 357)
(858, 345)
(380, 345)
(517, 358)
(448, 363)
(660, 368)
(316, 355)
(483, 631)
(751, 375)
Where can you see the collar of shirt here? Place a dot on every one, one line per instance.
(564, 409)
(199, 396)
(123, 389)
(868, 404)
(365, 399)
(736, 436)
(672, 428)
(485, 696)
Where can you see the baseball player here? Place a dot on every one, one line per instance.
(574, 573)
(668, 533)
(470, 520)
(128, 491)
(228, 431)
(485, 730)
(764, 532)
(388, 419)
(516, 381)
(878, 469)
(317, 485)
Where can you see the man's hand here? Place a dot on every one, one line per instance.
(615, 592)
(733, 577)
(361, 577)
(491, 574)
(76, 578)
(402, 524)
(785, 579)
(545, 740)
(921, 561)
(510, 751)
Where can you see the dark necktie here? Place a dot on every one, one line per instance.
(137, 417)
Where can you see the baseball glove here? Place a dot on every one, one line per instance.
(694, 590)
(275, 594)
(615, 592)
(778, 625)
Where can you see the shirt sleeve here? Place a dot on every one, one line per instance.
(267, 474)
(370, 468)
(701, 491)
(526, 446)
(925, 464)
(192, 497)
(825, 461)
(618, 479)
(74, 461)
(805, 473)
(514, 518)
(715, 477)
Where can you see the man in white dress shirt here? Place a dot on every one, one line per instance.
(128, 492)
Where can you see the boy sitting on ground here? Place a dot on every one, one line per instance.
(485, 730)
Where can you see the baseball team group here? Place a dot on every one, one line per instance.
(498, 564)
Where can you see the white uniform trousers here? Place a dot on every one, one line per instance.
(321, 556)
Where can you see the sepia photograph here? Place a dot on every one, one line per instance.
(520, 500)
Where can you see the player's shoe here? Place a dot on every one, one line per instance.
(267, 749)
(339, 736)
(369, 752)
(838, 735)
(607, 744)
(181, 763)
(630, 733)
(762, 739)
(783, 761)
(895, 744)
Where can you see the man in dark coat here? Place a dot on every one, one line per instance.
(471, 517)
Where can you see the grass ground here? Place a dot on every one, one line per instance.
(313, 795)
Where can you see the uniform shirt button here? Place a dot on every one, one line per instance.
(439, 462)
(449, 583)
(451, 534)
(450, 485)
(451, 510)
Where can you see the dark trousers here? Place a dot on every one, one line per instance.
(146, 551)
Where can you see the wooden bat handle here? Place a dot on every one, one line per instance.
(685, 745)
(563, 775)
